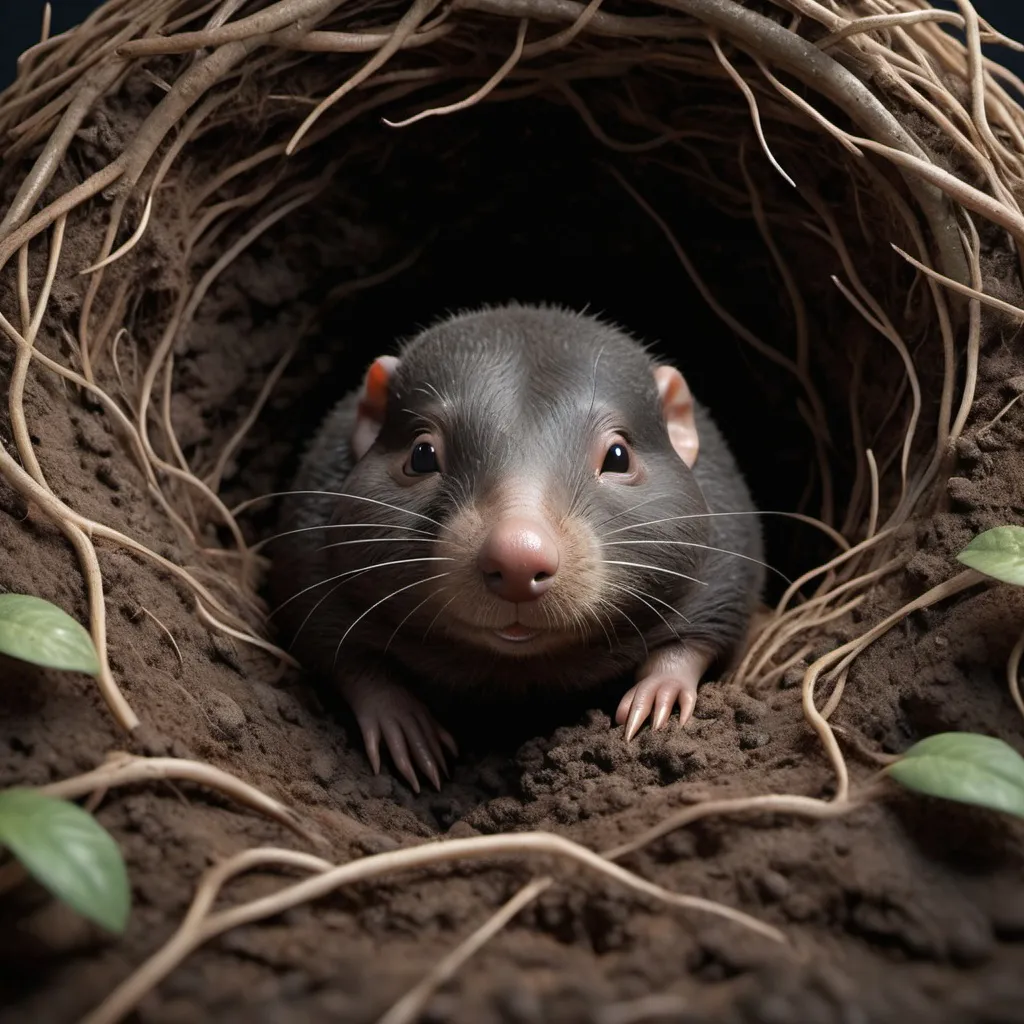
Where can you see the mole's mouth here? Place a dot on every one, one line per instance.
(517, 633)
(515, 640)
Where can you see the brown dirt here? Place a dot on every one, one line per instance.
(907, 910)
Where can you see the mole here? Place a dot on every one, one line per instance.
(523, 500)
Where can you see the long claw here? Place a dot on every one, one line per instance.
(430, 770)
(449, 741)
(443, 763)
(371, 740)
(400, 754)
(687, 702)
(624, 705)
(420, 745)
(430, 735)
(409, 774)
(638, 715)
(663, 708)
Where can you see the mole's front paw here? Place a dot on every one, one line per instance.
(669, 677)
(660, 694)
(413, 738)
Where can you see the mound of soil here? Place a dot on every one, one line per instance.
(906, 910)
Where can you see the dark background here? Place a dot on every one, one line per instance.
(20, 21)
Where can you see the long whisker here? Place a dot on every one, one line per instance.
(438, 615)
(415, 609)
(355, 572)
(335, 494)
(626, 511)
(571, 622)
(665, 604)
(607, 635)
(593, 397)
(579, 487)
(585, 631)
(419, 414)
(675, 519)
(655, 568)
(580, 623)
(577, 624)
(639, 597)
(799, 516)
(427, 384)
(639, 633)
(336, 526)
(383, 540)
(344, 578)
(377, 604)
(549, 620)
(310, 614)
(705, 547)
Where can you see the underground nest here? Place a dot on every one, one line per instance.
(216, 214)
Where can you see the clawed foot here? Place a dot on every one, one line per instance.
(668, 678)
(660, 694)
(414, 740)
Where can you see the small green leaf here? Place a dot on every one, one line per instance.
(966, 767)
(66, 850)
(39, 632)
(999, 553)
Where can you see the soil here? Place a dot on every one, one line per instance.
(906, 910)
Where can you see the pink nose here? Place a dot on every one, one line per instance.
(518, 560)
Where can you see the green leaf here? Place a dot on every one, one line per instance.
(66, 850)
(39, 632)
(966, 767)
(998, 553)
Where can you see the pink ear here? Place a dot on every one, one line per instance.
(373, 404)
(677, 407)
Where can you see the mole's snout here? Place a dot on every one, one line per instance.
(518, 560)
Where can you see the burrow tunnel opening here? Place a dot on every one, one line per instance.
(519, 201)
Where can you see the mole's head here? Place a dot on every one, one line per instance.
(544, 462)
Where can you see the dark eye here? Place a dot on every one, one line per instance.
(424, 458)
(617, 459)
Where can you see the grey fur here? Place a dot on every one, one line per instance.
(522, 387)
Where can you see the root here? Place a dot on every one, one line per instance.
(1013, 673)
(748, 95)
(200, 925)
(32, 485)
(488, 87)
(128, 246)
(801, 369)
(126, 769)
(963, 289)
(167, 633)
(408, 1009)
(405, 28)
